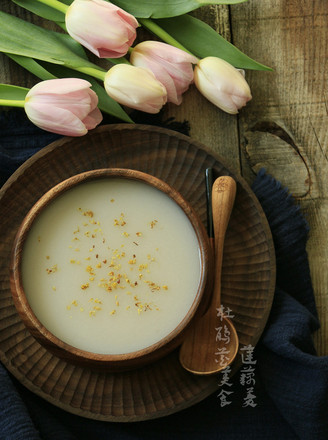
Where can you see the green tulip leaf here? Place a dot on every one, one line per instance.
(203, 41)
(35, 67)
(42, 10)
(168, 8)
(32, 66)
(12, 93)
(71, 44)
(140, 8)
(23, 38)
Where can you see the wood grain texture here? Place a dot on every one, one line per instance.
(208, 124)
(248, 272)
(284, 127)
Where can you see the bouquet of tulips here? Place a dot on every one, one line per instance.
(74, 91)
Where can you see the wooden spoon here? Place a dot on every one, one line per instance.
(212, 343)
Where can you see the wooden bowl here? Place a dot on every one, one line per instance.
(248, 273)
(126, 359)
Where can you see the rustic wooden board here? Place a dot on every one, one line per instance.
(284, 127)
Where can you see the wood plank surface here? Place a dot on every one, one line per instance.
(283, 128)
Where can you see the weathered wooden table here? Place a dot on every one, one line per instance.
(283, 128)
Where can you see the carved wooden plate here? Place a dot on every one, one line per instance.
(248, 276)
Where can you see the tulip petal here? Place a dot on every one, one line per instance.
(164, 50)
(128, 18)
(62, 105)
(56, 120)
(103, 28)
(60, 86)
(222, 84)
(161, 74)
(93, 119)
(170, 65)
(135, 87)
(78, 105)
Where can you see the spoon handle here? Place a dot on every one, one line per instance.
(223, 198)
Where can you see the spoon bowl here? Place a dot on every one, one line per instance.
(212, 343)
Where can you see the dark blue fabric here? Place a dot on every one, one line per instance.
(19, 139)
(291, 381)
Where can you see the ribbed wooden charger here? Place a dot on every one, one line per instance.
(248, 275)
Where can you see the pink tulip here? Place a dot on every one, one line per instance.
(135, 87)
(103, 28)
(171, 66)
(222, 84)
(65, 106)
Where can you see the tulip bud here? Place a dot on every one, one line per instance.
(103, 28)
(65, 106)
(222, 84)
(135, 87)
(170, 65)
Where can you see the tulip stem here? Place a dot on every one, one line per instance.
(96, 73)
(161, 33)
(12, 103)
(55, 4)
